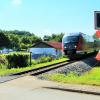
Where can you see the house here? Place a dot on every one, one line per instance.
(46, 48)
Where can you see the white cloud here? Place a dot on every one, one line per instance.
(16, 2)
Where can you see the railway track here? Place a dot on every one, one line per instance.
(44, 69)
(50, 68)
(39, 71)
(35, 72)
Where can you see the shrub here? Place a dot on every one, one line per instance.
(34, 62)
(16, 60)
(45, 59)
(3, 61)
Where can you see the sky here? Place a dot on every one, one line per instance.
(44, 17)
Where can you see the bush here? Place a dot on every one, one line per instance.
(45, 59)
(16, 60)
(34, 62)
(3, 61)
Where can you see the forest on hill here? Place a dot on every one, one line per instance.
(21, 40)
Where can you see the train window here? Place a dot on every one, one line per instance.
(70, 39)
(91, 39)
(97, 19)
(86, 39)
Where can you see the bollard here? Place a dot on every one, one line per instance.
(30, 58)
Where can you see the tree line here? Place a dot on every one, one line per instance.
(20, 40)
(17, 39)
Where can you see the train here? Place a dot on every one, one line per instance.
(76, 45)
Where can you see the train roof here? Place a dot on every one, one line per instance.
(73, 34)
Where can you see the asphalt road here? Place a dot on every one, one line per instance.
(28, 88)
(44, 94)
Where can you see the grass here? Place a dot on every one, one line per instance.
(89, 78)
(15, 70)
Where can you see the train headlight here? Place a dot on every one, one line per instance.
(65, 47)
(75, 46)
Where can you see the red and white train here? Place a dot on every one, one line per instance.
(78, 44)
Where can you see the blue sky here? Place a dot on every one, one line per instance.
(48, 16)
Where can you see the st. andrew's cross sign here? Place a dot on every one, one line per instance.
(97, 23)
(97, 20)
(97, 28)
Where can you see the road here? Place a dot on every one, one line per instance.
(29, 88)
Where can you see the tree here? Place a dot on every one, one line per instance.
(25, 40)
(46, 38)
(54, 37)
(4, 40)
(19, 39)
(23, 46)
(14, 39)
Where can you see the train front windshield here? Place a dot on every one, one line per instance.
(69, 39)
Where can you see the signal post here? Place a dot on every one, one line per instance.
(97, 28)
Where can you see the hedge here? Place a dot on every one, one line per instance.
(16, 60)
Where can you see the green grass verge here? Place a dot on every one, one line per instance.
(15, 70)
(89, 78)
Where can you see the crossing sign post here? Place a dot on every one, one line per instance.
(98, 33)
(97, 20)
(97, 28)
(97, 23)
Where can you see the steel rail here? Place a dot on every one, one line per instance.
(37, 71)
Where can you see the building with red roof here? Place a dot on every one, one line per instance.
(46, 48)
(56, 45)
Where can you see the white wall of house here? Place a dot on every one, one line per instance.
(51, 51)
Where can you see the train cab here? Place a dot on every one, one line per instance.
(75, 44)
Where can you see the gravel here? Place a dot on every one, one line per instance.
(78, 67)
(7, 78)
